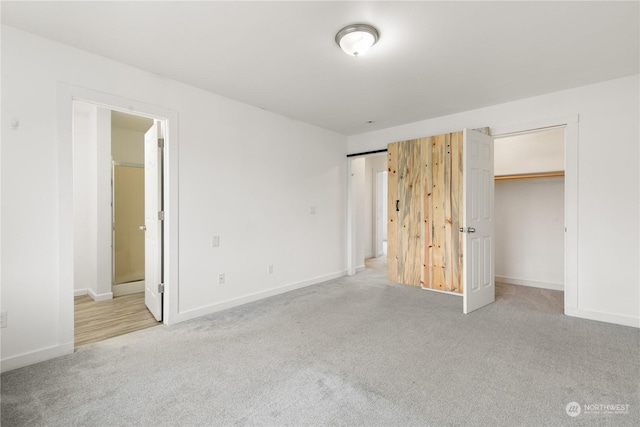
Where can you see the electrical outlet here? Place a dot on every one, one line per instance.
(215, 242)
(221, 279)
(3, 319)
(270, 269)
(312, 210)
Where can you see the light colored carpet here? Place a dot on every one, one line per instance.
(353, 351)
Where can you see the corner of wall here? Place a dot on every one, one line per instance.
(100, 297)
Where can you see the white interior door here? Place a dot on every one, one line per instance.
(153, 232)
(478, 242)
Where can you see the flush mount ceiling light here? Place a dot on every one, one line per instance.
(356, 39)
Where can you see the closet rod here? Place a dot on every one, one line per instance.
(530, 175)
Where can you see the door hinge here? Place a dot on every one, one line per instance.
(161, 215)
(160, 142)
(161, 288)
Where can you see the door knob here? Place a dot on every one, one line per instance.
(142, 228)
(467, 230)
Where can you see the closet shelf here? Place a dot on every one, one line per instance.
(530, 175)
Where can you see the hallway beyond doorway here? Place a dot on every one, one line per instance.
(99, 320)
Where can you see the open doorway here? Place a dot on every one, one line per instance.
(381, 213)
(111, 194)
(530, 216)
(378, 259)
(369, 210)
(127, 157)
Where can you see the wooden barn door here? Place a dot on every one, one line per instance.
(440, 229)
(442, 160)
(425, 199)
(405, 198)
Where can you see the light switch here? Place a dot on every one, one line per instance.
(216, 241)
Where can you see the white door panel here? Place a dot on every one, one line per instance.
(153, 233)
(478, 247)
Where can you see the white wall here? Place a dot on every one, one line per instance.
(84, 210)
(92, 208)
(92, 222)
(529, 232)
(608, 281)
(531, 153)
(245, 174)
(127, 145)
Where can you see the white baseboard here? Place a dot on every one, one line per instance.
(100, 297)
(34, 357)
(360, 268)
(128, 288)
(531, 283)
(599, 316)
(79, 292)
(203, 311)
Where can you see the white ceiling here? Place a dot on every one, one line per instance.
(433, 58)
